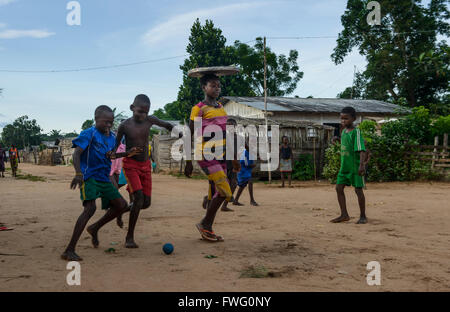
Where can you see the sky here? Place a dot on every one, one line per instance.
(35, 36)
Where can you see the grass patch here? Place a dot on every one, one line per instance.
(255, 272)
(30, 177)
(194, 176)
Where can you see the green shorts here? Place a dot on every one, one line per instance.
(92, 189)
(350, 179)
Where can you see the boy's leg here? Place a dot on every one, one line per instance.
(88, 212)
(238, 195)
(250, 190)
(233, 185)
(282, 179)
(362, 205)
(211, 212)
(117, 207)
(342, 204)
(135, 208)
(290, 178)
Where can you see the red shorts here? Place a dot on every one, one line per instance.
(138, 175)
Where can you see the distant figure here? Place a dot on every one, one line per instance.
(244, 177)
(2, 161)
(14, 159)
(286, 157)
(353, 161)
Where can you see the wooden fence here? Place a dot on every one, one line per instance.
(437, 155)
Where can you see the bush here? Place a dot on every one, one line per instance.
(332, 162)
(303, 168)
(389, 160)
(441, 125)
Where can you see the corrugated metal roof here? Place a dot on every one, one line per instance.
(282, 123)
(280, 104)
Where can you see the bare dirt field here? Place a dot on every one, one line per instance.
(288, 240)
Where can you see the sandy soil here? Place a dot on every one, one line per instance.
(289, 235)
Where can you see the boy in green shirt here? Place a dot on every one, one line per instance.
(353, 161)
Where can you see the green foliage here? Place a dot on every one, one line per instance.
(404, 58)
(368, 129)
(87, 124)
(22, 132)
(413, 128)
(303, 168)
(441, 125)
(171, 111)
(332, 162)
(389, 160)
(283, 72)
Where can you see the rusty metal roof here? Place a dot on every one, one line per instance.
(311, 105)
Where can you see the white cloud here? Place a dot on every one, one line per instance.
(179, 25)
(5, 2)
(2, 25)
(32, 33)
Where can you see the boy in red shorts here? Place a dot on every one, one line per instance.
(137, 169)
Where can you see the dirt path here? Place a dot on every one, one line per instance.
(288, 235)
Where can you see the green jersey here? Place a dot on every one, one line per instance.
(352, 143)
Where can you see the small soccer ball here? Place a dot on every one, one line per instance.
(168, 248)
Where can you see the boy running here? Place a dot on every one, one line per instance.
(92, 168)
(137, 169)
(353, 156)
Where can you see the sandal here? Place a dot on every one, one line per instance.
(209, 235)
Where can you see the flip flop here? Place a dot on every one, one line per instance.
(4, 228)
(209, 235)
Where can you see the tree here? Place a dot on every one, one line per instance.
(393, 49)
(357, 91)
(207, 47)
(171, 111)
(118, 118)
(87, 124)
(72, 134)
(22, 133)
(283, 72)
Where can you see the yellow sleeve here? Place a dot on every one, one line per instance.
(195, 112)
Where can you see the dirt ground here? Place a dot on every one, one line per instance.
(288, 238)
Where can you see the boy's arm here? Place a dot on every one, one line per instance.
(78, 179)
(362, 163)
(119, 136)
(156, 121)
(189, 168)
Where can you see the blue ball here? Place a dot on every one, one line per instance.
(168, 248)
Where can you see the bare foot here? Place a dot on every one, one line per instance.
(93, 233)
(226, 209)
(238, 204)
(253, 203)
(70, 256)
(129, 243)
(362, 220)
(341, 219)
